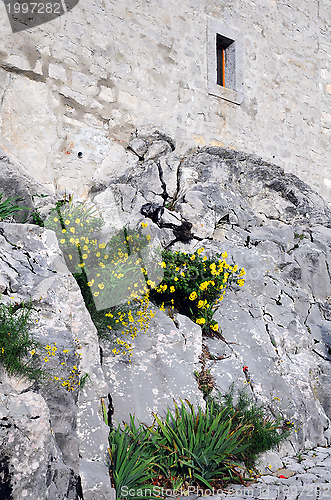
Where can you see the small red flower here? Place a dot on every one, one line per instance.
(283, 477)
(245, 369)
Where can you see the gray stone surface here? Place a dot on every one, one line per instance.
(161, 369)
(50, 433)
(278, 324)
(86, 91)
(294, 486)
(16, 182)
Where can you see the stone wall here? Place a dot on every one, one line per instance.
(84, 82)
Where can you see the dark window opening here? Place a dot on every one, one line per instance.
(224, 59)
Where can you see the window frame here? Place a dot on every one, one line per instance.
(233, 69)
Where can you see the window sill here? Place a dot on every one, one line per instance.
(227, 94)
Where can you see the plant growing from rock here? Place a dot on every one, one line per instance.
(111, 273)
(267, 432)
(22, 355)
(195, 285)
(202, 448)
(18, 347)
(10, 207)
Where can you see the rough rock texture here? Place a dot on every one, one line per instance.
(161, 371)
(53, 442)
(278, 229)
(16, 182)
(86, 90)
(300, 477)
(278, 324)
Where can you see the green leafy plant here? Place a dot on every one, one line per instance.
(131, 463)
(205, 448)
(10, 207)
(22, 355)
(195, 447)
(83, 380)
(203, 444)
(195, 285)
(18, 347)
(37, 218)
(267, 432)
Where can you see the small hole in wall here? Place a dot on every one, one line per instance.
(80, 154)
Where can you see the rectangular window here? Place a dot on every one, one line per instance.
(223, 56)
(225, 61)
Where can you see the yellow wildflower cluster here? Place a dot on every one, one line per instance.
(67, 363)
(135, 318)
(195, 284)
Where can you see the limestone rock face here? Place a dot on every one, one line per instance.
(161, 370)
(278, 324)
(54, 442)
(16, 182)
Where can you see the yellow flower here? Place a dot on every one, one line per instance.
(55, 219)
(224, 255)
(96, 294)
(148, 237)
(72, 229)
(234, 269)
(176, 279)
(193, 296)
(172, 289)
(67, 222)
(85, 247)
(164, 265)
(102, 245)
(201, 303)
(214, 327)
(84, 256)
(64, 231)
(81, 265)
(77, 221)
(33, 352)
(192, 257)
(70, 257)
(98, 254)
(101, 286)
(200, 250)
(144, 224)
(46, 359)
(200, 321)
